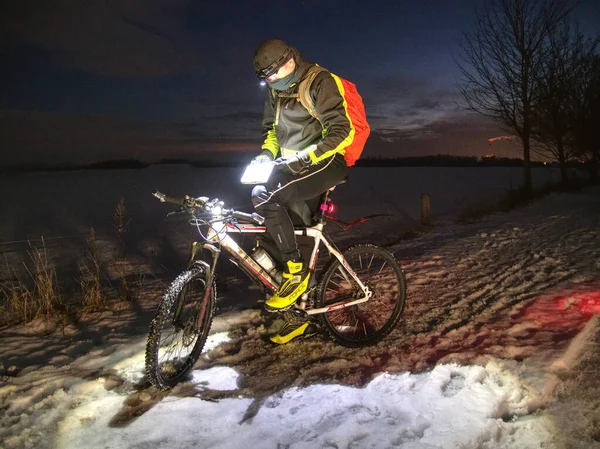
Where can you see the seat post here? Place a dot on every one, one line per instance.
(320, 212)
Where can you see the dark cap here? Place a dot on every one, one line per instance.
(270, 56)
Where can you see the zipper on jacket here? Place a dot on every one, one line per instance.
(283, 126)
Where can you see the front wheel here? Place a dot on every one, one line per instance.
(366, 323)
(180, 328)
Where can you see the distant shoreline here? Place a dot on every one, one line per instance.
(369, 162)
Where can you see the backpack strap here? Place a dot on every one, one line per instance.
(304, 89)
(303, 95)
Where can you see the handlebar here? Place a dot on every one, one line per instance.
(204, 203)
(250, 217)
(167, 199)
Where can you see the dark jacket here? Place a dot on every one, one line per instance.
(294, 129)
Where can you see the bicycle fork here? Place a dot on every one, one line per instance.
(209, 277)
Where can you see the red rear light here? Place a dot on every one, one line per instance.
(329, 207)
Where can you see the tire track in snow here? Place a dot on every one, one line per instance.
(462, 286)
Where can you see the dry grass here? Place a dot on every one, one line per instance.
(125, 293)
(90, 279)
(121, 226)
(46, 291)
(40, 298)
(18, 303)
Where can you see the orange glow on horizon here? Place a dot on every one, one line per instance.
(493, 139)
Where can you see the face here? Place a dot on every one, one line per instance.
(283, 71)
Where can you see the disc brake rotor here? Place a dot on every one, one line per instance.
(189, 331)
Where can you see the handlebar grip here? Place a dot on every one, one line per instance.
(168, 199)
(258, 218)
(242, 216)
(250, 217)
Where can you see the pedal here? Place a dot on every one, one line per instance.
(295, 316)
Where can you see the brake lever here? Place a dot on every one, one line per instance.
(182, 210)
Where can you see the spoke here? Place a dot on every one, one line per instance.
(169, 351)
(176, 346)
(378, 321)
(363, 320)
(355, 325)
(344, 274)
(336, 284)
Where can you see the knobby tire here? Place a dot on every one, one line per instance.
(164, 367)
(367, 323)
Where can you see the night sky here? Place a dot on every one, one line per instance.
(88, 80)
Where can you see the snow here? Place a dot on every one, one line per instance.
(447, 407)
(498, 349)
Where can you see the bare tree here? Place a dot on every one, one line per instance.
(500, 60)
(586, 114)
(567, 54)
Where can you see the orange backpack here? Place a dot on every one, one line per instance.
(354, 107)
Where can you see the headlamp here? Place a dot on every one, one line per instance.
(266, 72)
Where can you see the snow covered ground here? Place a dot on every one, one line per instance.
(499, 348)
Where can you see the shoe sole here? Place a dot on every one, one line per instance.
(308, 332)
(272, 309)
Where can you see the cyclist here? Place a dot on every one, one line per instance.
(308, 155)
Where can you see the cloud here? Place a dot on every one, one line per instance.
(464, 135)
(127, 38)
(410, 105)
(402, 113)
(394, 88)
(427, 103)
(44, 138)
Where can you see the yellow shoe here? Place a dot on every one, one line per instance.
(290, 331)
(297, 277)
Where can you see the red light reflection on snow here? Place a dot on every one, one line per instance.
(587, 303)
(570, 310)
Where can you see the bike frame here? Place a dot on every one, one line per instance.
(218, 238)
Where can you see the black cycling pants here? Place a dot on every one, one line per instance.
(284, 188)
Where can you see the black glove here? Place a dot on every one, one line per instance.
(295, 163)
(264, 156)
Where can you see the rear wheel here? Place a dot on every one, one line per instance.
(179, 329)
(368, 322)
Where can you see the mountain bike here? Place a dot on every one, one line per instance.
(358, 297)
